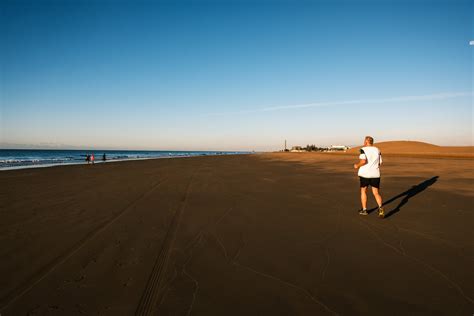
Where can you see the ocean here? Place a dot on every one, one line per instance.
(30, 158)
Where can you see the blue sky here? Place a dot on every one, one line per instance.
(234, 75)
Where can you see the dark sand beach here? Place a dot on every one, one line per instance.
(263, 234)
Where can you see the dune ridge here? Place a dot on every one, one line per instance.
(417, 148)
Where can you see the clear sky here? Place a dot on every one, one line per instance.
(241, 75)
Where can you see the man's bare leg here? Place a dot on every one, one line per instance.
(378, 198)
(377, 195)
(363, 197)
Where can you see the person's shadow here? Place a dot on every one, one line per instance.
(414, 190)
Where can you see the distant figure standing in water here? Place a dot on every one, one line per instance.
(92, 158)
(88, 158)
(370, 160)
(104, 158)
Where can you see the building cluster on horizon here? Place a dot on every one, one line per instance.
(309, 148)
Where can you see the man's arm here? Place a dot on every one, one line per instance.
(360, 164)
(362, 160)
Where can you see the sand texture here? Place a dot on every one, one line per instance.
(263, 234)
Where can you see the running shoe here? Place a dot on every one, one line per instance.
(363, 212)
(381, 212)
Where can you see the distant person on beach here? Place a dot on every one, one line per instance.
(88, 159)
(104, 158)
(370, 160)
(92, 158)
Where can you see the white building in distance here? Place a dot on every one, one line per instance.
(339, 147)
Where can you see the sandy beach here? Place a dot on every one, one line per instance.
(262, 234)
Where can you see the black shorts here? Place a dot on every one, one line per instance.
(373, 182)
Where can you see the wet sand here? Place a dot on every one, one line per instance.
(266, 234)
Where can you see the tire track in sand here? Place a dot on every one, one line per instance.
(21, 290)
(155, 285)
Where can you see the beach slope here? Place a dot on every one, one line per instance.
(420, 149)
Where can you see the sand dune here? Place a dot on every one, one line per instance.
(421, 148)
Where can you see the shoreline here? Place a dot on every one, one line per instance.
(50, 165)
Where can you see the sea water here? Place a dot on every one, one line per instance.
(28, 158)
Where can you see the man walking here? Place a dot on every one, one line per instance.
(370, 160)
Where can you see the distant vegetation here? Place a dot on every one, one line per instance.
(313, 147)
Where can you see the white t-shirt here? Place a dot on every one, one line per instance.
(374, 160)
